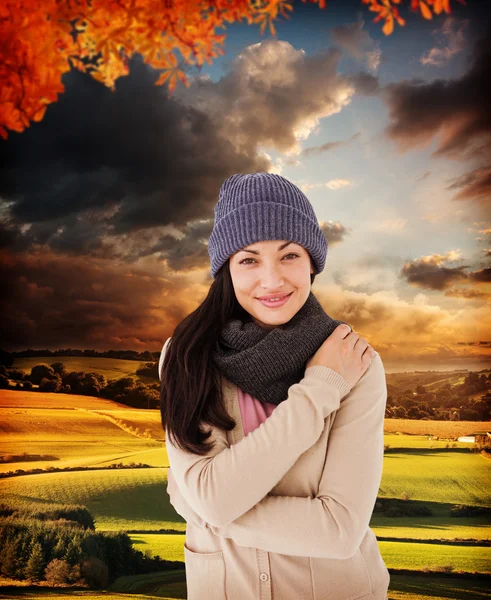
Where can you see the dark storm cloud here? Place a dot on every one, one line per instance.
(456, 109)
(103, 171)
(432, 273)
(11, 237)
(132, 159)
(68, 301)
(455, 112)
(190, 251)
(475, 184)
(481, 276)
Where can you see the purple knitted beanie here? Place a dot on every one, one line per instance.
(259, 206)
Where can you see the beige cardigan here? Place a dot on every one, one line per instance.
(283, 513)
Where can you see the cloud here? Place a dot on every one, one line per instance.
(432, 272)
(103, 171)
(334, 232)
(358, 43)
(55, 301)
(103, 166)
(332, 184)
(410, 334)
(425, 175)
(468, 294)
(454, 113)
(391, 224)
(455, 110)
(327, 147)
(365, 84)
(473, 185)
(451, 41)
(274, 95)
(188, 253)
(108, 202)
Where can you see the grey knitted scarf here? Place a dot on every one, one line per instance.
(265, 363)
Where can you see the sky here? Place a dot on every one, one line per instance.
(107, 204)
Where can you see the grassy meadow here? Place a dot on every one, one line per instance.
(73, 430)
(49, 430)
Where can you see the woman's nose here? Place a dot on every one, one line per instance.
(271, 277)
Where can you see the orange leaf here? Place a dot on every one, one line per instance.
(163, 77)
(38, 47)
(389, 25)
(425, 11)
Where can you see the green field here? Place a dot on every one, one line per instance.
(397, 555)
(461, 477)
(60, 430)
(159, 544)
(118, 498)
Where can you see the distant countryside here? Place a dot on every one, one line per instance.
(83, 476)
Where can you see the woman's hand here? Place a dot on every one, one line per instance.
(345, 352)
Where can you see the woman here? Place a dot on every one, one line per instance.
(292, 403)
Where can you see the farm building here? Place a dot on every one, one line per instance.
(477, 438)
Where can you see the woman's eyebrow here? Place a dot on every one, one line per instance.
(257, 251)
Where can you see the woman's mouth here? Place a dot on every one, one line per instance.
(275, 303)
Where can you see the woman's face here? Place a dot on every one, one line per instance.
(271, 268)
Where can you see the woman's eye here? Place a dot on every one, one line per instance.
(243, 261)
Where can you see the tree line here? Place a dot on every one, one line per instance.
(447, 403)
(59, 544)
(55, 377)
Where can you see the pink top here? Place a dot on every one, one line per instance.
(253, 412)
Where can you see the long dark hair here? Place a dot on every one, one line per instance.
(191, 385)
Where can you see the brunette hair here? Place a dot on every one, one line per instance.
(191, 386)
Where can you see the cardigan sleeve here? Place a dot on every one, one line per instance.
(180, 505)
(231, 479)
(332, 524)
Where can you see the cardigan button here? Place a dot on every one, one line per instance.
(264, 577)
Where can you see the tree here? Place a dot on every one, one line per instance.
(92, 383)
(57, 571)
(16, 374)
(50, 385)
(41, 371)
(59, 367)
(43, 39)
(95, 572)
(35, 565)
(9, 562)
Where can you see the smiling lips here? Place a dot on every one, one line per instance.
(267, 301)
